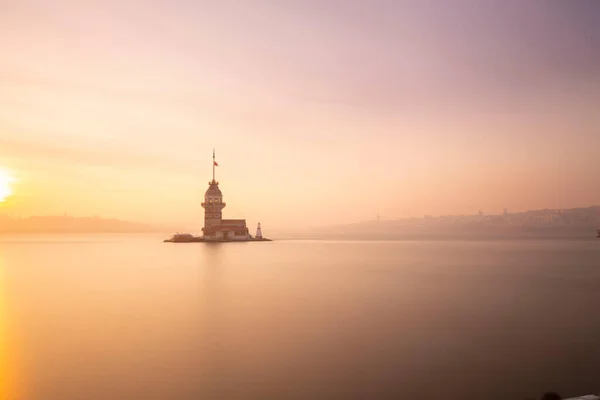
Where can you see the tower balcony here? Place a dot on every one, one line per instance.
(222, 205)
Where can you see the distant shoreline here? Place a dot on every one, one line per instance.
(73, 225)
(575, 223)
(290, 238)
(448, 238)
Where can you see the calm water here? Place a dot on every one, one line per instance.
(126, 317)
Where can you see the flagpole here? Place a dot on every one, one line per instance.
(213, 165)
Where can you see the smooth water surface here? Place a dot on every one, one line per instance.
(128, 317)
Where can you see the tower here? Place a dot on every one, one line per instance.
(258, 232)
(213, 205)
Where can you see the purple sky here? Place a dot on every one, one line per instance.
(337, 110)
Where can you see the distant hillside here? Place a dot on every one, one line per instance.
(65, 224)
(563, 223)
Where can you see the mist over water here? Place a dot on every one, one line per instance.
(128, 317)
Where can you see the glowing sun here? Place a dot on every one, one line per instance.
(5, 180)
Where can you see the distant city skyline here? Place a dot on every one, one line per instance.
(581, 219)
(321, 112)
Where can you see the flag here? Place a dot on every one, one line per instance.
(215, 163)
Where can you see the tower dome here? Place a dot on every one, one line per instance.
(213, 189)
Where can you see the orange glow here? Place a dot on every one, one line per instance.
(7, 365)
(5, 189)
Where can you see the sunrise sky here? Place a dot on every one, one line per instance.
(321, 111)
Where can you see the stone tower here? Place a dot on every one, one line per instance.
(213, 204)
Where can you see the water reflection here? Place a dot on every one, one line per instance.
(8, 365)
(141, 320)
(213, 315)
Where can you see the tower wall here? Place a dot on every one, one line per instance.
(213, 208)
(213, 212)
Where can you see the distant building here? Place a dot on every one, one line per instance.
(215, 227)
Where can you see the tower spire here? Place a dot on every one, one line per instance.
(214, 163)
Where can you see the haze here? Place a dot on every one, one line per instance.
(321, 112)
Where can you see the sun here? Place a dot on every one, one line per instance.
(5, 180)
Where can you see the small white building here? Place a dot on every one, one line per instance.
(258, 232)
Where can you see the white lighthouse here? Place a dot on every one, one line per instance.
(258, 232)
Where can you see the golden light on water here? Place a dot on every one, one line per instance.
(7, 367)
(6, 179)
